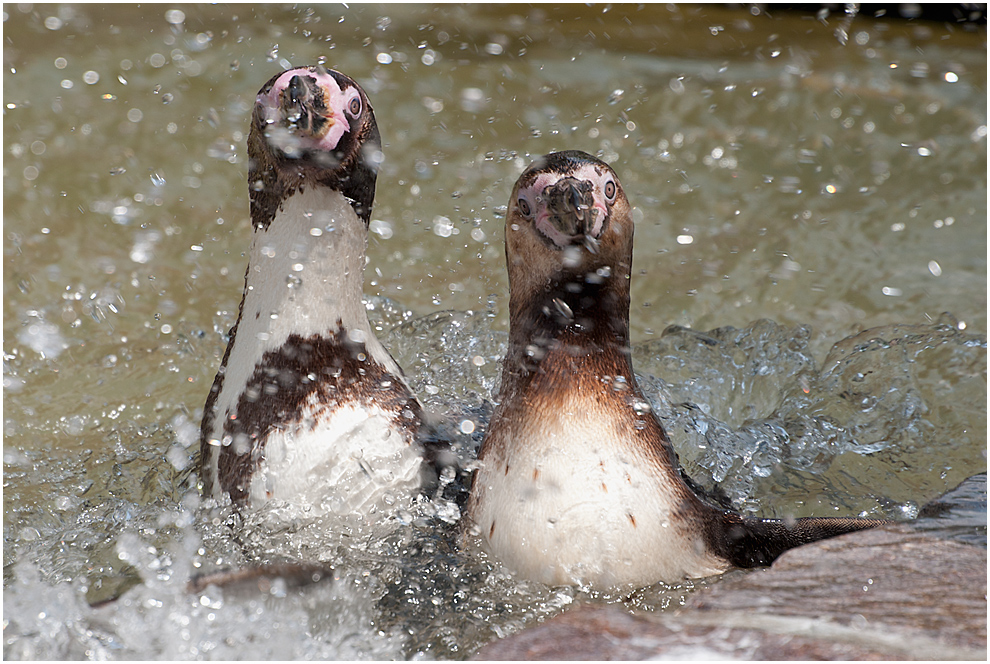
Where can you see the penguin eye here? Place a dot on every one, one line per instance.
(354, 106)
(524, 208)
(610, 191)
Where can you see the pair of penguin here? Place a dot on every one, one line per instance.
(576, 482)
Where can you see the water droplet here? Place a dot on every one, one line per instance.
(43, 338)
(473, 100)
(381, 228)
(279, 588)
(144, 244)
(572, 256)
(442, 226)
(563, 309)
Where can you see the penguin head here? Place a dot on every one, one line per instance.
(312, 126)
(568, 215)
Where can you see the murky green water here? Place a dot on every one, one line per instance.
(779, 171)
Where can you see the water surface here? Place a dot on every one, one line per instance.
(795, 181)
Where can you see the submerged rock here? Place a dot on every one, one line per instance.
(891, 593)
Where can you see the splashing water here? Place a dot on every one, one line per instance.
(751, 410)
(746, 408)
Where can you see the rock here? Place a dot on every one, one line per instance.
(890, 593)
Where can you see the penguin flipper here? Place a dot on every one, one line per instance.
(750, 542)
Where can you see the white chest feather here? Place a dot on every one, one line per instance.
(566, 497)
(346, 461)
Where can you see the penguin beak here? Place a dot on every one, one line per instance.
(571, 211)
(304, 108)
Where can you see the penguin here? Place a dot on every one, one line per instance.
(308, 408)
(577, 482)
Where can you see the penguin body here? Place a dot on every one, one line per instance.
(577, 480)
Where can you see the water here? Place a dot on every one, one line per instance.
(791, 191)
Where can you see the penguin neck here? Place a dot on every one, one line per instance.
(305, 278)
(575, 322)
(306, 270)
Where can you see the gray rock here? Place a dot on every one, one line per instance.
(891, 593)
